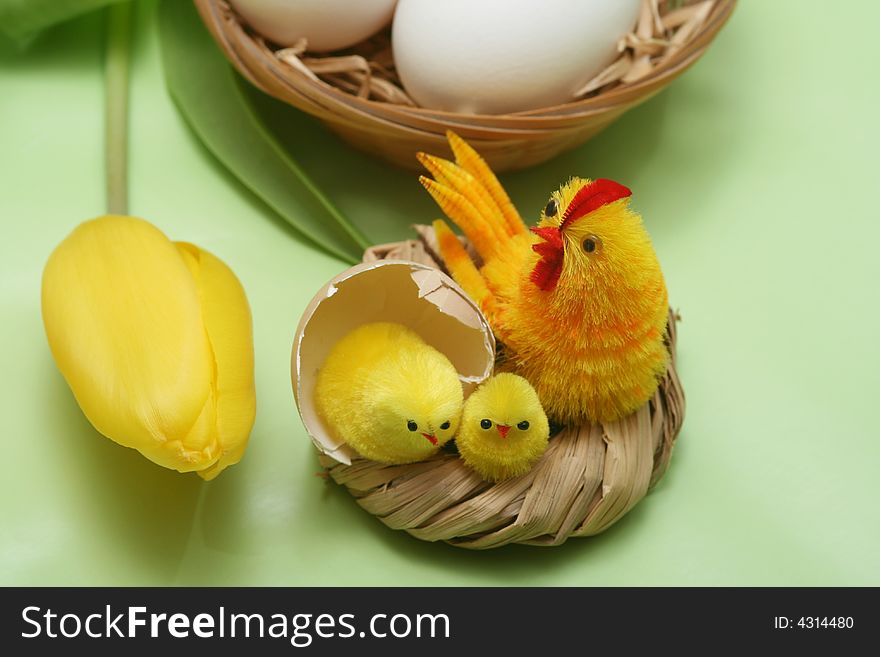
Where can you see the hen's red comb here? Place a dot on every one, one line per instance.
(591, 197)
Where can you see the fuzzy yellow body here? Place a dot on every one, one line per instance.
(388, 394)
(591, 341)
(504, 430)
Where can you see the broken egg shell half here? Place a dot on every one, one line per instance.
(418, 296)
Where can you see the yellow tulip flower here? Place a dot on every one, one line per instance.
(154, 339)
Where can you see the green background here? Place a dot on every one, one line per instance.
(755, 172)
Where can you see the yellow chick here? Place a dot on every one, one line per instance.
(504, 430)
(388, 394)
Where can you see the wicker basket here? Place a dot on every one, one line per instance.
(589, 477)
(344, 91)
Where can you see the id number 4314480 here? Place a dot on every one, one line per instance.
(813, 622)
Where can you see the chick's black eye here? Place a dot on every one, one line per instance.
(486, 424)
(522, 426)
(552, 208)
(412, 426)
(445, 425)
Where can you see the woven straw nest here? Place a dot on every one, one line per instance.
(357, 93)
(589, 477)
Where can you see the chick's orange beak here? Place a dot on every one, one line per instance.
(431, 438)
(503, 429)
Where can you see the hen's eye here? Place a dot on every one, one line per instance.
(412, 426)
(522, 426)
(486, 424)
(552, 208)
(445, 425)
(591, 244)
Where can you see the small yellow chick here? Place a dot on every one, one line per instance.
(504, 430)
(388, 394)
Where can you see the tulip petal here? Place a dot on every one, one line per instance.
(227, 321)
(123, 313)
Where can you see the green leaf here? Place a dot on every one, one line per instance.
(21, 20)
(205, 88)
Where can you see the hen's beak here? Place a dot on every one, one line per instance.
(552, 251)
(550, 234)
(431, 438)
(503, 429)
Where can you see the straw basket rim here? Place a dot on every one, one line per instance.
(589, 478)
(396, 131)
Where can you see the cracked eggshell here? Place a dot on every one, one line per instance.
(418, 296)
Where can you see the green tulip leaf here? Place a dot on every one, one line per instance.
(208, 95)
(21, 20)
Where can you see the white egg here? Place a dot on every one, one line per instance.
(327, 24)
(499, 56)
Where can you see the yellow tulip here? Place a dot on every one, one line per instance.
(154, 339)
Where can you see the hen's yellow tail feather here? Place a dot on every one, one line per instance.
(469, 160)
(461, 266)
(453, 176)
(478, 229)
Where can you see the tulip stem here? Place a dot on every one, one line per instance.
(116, 106)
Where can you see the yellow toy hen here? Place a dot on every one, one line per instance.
(579, 302)
(388, 394)
(504, 430)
